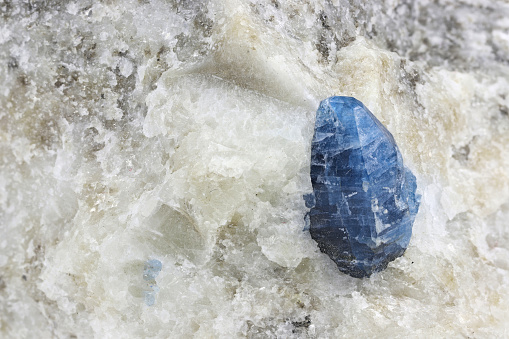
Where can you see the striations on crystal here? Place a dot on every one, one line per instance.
(364, 197)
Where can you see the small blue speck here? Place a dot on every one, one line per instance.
(152, 269)
(150, 298)
(150, 272)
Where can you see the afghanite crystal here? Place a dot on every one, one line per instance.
(364, 197)
(150, 272)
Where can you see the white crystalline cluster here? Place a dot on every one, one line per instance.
(179, 132)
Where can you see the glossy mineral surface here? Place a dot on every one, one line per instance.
(365, 200)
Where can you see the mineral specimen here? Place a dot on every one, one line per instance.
(181, 131)
(364, 198)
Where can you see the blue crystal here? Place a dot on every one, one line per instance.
(151, 269)
(150, 297)
(150, 272)
(364, 201)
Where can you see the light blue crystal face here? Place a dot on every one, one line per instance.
(151, 270)
(364, 197)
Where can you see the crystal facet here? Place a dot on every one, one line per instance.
(364, 201)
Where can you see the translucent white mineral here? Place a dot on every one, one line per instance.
(181, 130)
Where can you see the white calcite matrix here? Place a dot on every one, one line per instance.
(180, 131)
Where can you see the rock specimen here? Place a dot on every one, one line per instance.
(181, 130)
(364, 198)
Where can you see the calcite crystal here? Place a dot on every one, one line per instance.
(364, 197)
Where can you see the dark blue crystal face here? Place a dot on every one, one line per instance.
(364, 197)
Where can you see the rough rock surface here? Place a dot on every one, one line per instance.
(180, 131)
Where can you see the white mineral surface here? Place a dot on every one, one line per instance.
(180, 131)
